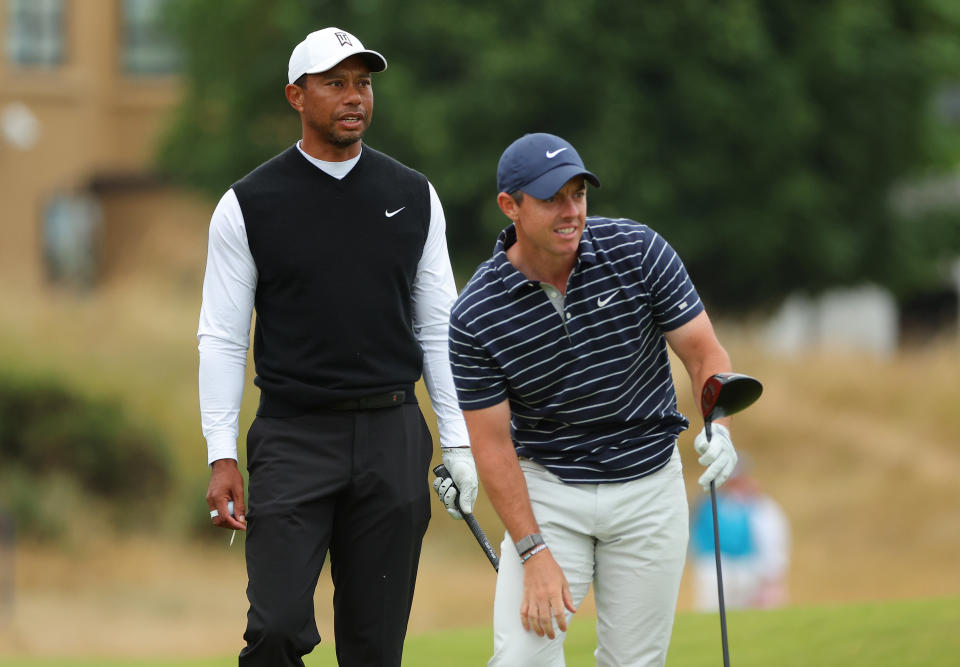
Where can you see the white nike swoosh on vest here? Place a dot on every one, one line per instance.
(390, 214)
(603, 302)
(553, 154)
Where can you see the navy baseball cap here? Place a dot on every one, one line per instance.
(540, 164)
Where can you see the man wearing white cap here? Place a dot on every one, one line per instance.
(559, 352)
(341, 251)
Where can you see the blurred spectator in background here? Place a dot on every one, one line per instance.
(754, 546)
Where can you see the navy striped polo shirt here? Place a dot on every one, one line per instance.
(591, 393)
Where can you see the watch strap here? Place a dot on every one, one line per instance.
(527, 543)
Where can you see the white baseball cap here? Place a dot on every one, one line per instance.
(323, 49)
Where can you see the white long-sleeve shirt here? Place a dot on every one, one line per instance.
(223, 336)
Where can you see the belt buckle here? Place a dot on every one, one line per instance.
(386, 400)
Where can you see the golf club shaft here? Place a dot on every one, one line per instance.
(716, 552)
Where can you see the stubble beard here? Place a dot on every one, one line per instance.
(333, 137)
(344, 140)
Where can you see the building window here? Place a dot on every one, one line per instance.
(35, 32)
(148, 45)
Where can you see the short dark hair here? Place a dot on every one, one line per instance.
(301, 81)
(517, 196)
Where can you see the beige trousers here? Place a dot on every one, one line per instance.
(628, 539)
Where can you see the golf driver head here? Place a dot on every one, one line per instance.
(726, 393)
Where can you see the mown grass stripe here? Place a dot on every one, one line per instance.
(878, 634)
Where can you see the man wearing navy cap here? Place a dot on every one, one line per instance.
(341, 251)
(558, 346)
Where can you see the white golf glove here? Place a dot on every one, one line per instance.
(718, 455)
(463, 476)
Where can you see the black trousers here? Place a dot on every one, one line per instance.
(351, 483)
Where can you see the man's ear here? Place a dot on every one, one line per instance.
(508, 205)
(294, 95)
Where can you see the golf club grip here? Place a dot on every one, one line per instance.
(482, 540)
(481, 537)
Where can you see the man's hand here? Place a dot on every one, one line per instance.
(226, 484)
(546, 595)
(463, 476)
(718, 455)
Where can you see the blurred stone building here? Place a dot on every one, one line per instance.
(85, 89)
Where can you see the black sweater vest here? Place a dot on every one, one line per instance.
(336, 261)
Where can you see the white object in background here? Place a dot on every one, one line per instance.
(19, 126)
(863, 319)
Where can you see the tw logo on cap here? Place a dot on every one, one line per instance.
(344, 39)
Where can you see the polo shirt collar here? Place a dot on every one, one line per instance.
(512, 278)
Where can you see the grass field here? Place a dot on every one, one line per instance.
(882, 634)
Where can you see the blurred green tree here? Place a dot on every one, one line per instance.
(760, 137)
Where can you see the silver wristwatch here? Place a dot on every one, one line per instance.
(528, 542)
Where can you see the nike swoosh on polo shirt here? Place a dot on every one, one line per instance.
(603, 302)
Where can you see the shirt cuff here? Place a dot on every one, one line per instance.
(453, 432)
(221, 446)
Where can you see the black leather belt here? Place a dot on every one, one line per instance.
(375, 402)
